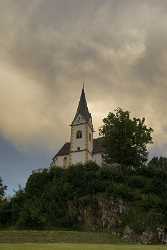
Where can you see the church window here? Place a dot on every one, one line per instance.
(78, 148)
(79, 134)
(65, 162)
(90, 137)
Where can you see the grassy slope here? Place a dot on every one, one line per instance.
(56, 237)
(65, 240)
(77, 247)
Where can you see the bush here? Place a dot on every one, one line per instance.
(47, 199)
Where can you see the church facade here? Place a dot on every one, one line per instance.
(82, 146)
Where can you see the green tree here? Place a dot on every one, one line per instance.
(3, 204)
(125, 139)
(2, 190)
(158, 163)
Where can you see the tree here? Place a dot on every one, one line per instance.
(158, 163)
(125, 139)
(2, 189)
(3, 204)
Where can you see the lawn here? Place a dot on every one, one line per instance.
(62, 246)
(65, 240)
(57, 237)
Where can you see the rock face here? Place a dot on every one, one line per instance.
(162, 235)
(98, 213)
(146, 237)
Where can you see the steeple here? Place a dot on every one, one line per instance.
(83, 107)
(81, 144)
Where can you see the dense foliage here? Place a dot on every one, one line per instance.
(2, 190)
(125, 139)
(46, 200)
(54, 197)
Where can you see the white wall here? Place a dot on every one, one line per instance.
(90, 143)
(60, 161)
(78, 157)
(75, 143)
(98, 159)
(81, 143)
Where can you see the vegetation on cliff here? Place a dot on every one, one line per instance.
(129, 193)
(81, 196)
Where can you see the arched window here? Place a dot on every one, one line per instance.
(90, 137)
(79, 134)
(65, 162)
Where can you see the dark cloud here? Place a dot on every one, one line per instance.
(48, 48)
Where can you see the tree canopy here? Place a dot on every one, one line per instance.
(125, 139)
(55, 197)
(2, 189)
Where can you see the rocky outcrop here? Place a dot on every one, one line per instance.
(162, 234)
(99, 213)
(146, 237)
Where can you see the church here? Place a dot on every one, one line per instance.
(82, 146)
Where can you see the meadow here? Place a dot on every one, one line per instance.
(18, 237)
(62, 246)
(66, 240)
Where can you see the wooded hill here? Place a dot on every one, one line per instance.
(127, 198)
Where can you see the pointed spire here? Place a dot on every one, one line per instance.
(82, 107)
(83, 88)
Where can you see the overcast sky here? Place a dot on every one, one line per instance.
(49, 47)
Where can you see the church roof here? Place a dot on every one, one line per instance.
(65, 150)
(97, 148)
(83, 107)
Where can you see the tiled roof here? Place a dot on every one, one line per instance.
(97, 148)
(64, 150)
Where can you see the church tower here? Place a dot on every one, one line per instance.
(81, 145)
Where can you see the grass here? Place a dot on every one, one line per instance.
(65, 240)
(77, 247)
(57, 237)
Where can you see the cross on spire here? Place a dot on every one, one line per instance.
(83, 85)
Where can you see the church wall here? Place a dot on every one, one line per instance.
(81, 120)
(90, 142)
(90, 158)
(98, 159)
(78, 157)
(84, 143)
(78, 143)
(62, 161)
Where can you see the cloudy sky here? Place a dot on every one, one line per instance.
(49, 47)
